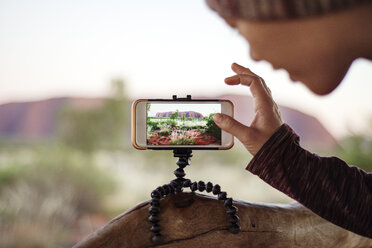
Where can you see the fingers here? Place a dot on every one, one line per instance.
(233, 80)
(240, 70)
(241, 79)
(260, 91)
(255, 83)
(232, 126)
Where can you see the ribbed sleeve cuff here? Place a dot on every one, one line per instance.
(272, 150)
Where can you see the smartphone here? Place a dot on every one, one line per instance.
(166, 124)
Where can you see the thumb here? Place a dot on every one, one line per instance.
(232, 126)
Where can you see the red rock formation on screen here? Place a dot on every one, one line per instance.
(188, 114)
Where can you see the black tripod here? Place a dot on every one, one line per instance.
(177, 185)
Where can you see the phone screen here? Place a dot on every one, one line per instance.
(170, 124)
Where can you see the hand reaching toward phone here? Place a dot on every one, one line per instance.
(267, 117)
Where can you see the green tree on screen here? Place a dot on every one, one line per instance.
(174, 115)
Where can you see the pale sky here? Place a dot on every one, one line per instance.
(203, 108)
(52, 48)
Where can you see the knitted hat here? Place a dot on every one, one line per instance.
(262, 10)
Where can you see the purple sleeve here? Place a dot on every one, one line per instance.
(327, 186)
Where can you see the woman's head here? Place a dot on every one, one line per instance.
(314, 50)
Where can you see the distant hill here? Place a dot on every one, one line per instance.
(37, 120)
(187, 114)
(32, 121)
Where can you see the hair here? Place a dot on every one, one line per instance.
(268, 10)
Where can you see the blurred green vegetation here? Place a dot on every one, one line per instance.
(357, 150)
(45, 188)
(48, 189)
(97, 128)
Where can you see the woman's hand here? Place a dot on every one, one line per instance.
(267, 116)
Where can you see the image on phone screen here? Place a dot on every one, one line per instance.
(182, 124)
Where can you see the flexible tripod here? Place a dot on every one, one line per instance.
(177, 185)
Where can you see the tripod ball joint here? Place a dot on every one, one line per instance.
(209, 187)
(183, 162)
(234, 229)
(179, 173)
(155, 194)
(157, 238)
(155, 228)
(216, 189)
(154, 219)
(186, 183)
(201, 186)
(194, 186)
(222, 196)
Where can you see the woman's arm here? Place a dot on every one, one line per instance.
(326, 185)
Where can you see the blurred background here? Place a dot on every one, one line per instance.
(69, 71)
